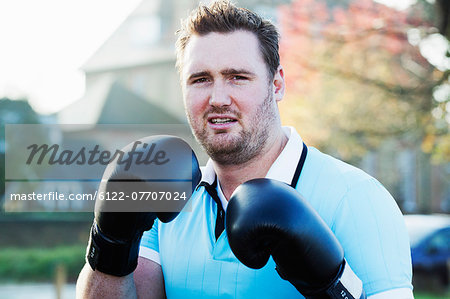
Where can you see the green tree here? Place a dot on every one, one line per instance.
(12, 112)
(355, 79)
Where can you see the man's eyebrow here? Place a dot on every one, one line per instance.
(225, 72)
(232, 71)
(198, 74)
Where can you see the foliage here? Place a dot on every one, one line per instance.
(354, 79)
(14, 112)
(427, 296)
(39, 264)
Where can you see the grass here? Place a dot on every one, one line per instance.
(39, 264)
(420, 295)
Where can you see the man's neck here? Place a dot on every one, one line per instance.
(231, 176)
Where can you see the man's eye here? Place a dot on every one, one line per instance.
(200, 80)
(239, 78)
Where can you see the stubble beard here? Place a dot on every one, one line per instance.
(234, 149)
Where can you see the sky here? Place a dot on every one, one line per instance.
(44, 43)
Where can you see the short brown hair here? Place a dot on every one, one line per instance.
(224, 17)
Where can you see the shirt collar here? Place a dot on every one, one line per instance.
(284, 167)
(208, 176)
(208, 173)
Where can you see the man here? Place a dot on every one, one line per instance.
(232, 80)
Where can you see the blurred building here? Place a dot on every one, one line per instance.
(138, 60)
(417, 184)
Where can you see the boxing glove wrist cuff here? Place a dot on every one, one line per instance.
(110, 256)
(347, 286)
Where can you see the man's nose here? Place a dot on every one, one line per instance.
(219, 95)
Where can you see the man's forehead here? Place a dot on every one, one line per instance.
(216, 37)
(219, 51)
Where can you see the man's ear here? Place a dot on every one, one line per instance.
(278, 84)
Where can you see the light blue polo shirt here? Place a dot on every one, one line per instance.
(358, 209)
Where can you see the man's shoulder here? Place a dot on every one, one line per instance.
(331, 169)
(328, 183)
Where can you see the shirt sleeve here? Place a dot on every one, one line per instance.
(149, 247)
(402, 293)
(372, 231)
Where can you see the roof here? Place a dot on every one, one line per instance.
(140, 40)
(124, 107)
(87, 109)
(109, 102)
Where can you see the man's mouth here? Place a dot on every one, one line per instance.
(221, 120)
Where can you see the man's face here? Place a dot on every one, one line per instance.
(228, 96)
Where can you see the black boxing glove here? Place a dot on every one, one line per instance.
(267, 217)
(113, 246)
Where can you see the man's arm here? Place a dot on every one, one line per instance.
(113, 268)
(146, 282)
(149, 280)
(368, 223)
(96, 284)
